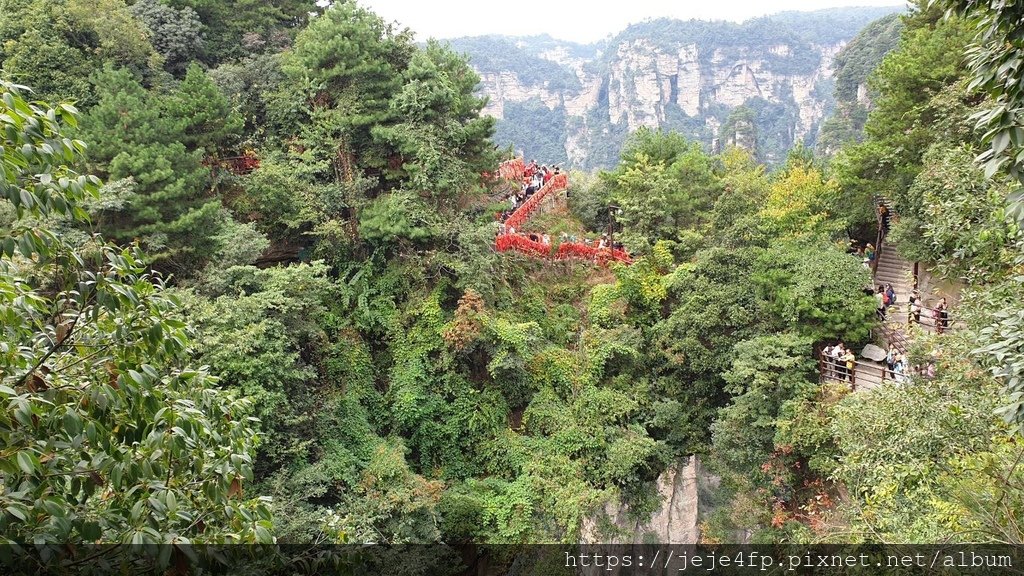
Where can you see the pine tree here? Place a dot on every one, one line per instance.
(204, 115)
(136, 136)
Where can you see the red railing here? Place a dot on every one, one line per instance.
(511, 237)
(563, 251)
(512, 170)
(568, 250)
(557, 183)
(522, 243)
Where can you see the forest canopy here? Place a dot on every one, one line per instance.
(250, 293)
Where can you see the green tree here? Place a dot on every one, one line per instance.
(441, 137)
(206, 120)
(349, 62)
(801, 203)
(907, 114)
(176, 34)
(996, 60)
(55, 45)
(664, 185)
(238, 28)
(108, 434)
(766, 373)
(137, 135)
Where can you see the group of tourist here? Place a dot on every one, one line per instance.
(600, 243)
(839, 361)
(867, 254)
(534, 178)
(896, 366)
(600, 249)
(937, 317)
(885, 296)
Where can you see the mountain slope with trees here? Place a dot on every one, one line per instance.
(577, 103)
(373, 370)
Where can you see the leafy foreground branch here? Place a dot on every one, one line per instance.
(106, 434)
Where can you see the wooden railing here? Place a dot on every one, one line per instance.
(862, 374)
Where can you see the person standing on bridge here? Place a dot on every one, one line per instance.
(941, 316)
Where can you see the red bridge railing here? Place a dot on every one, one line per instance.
(512, 169)
(563, 251)
(557, 183)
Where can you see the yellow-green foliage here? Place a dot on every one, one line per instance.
(799, 204)
(562, 370)
(606, 306)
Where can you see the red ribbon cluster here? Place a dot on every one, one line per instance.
(583, 252)
(565, 251)
(512, 169)
(523, 244)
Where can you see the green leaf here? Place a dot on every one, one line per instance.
(18, 511)
(91, 531)
(263, 535)
(28, 462)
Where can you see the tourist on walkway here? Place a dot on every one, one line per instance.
(890, 361)
(900, 369)
(880, 303)
(828, 371)
(914, 310)
(942, 316)
(891, 294)
(851, 360)
(837, 360)
(883, 218)
(833, 369)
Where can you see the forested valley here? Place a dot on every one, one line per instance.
(249, 294)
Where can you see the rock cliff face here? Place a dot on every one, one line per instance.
(675, 521)
(686, 76)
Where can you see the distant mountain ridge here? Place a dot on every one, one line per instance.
(765, 83)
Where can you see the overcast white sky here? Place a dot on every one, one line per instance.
(577, 20)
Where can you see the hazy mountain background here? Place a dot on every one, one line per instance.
(765, 84)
